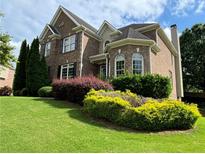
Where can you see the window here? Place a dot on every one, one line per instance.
(119, 65)
(47, 49)
(106, 43)
(69, 43)
(67, 71)
(137, 63)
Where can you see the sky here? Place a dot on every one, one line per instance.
(25, 19)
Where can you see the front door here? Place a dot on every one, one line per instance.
(103, 71)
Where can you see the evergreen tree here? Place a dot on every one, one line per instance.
(20, 73)
(35, 70)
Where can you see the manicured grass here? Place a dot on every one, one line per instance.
(30, 124)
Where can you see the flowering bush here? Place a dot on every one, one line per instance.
(152, 115)
(75, 89)
(5, 91)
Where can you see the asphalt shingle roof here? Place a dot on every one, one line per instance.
(81, 21)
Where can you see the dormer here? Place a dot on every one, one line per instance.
(105, 32)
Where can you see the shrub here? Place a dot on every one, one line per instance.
(16, 92)
(75, 89)
(5, 91)
(148, 85)
(132, 98)
(45, 91)
(153, 115)
(23, 92)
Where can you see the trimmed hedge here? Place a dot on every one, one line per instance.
(74, 90)
(45, 91)
(5, 91)
(152, 116)
(148, 85)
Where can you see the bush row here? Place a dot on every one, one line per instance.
(45, 91)
(74, 90)
(152, 115)
(148, 85)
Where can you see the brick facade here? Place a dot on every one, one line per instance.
(88, 45)
(6, 76)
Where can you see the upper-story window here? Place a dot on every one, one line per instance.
(47, 49)
(137, 63)
(119, 65)
(69, 43)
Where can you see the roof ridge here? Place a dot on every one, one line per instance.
(80, 20)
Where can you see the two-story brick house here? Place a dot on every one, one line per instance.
(74, 48)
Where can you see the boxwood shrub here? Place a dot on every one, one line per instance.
(75, 89)
(45, 91)
(152, 115)
(147, 85)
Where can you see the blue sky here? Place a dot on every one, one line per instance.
(27, 18)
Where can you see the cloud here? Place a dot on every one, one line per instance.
(200, 7)
(182, 7)
(27, 18)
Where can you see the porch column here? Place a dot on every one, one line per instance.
(106, 65)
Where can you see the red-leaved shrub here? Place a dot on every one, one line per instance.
(75, 89)
(5, 91)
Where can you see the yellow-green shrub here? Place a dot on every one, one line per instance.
(168, 114)
(153, 115)
(104, 106)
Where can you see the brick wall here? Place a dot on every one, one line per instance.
(163, 63)
(6, 77)
(128, 51)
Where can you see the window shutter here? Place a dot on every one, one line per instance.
(43, 49)
(59, 72)
(61, 46)
(75, 66)
(76, 41)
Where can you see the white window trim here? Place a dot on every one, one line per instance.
(68, 66)
(46, 49)
(69, 38)
(116, 64)
(142, 62)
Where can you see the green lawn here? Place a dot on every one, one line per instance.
(30, 124)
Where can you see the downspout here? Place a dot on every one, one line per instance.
(177, 59)
(81, 55)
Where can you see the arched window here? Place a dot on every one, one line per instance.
(106, 42)
(137, 63)
(119, 65)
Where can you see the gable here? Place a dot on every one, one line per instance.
(105, 25)
(64, 24)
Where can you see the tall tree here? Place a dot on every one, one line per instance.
(20, 73)
(193, 57)
(35, 74)
(6, 55)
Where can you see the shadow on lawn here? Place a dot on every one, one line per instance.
(75, 111)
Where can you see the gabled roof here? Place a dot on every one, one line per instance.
(136, 26)
(105, 22)
(79, 20)
(129, 32)
(51, 28)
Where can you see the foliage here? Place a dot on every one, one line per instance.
(132, 98)
(5, 91)
(153, 115)
(192, 42)
(148, 85)
(20, 73)
(6, 55)
(75, 89)
(36, 72)
(23, 92)
(45, 91)
(48, 125)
